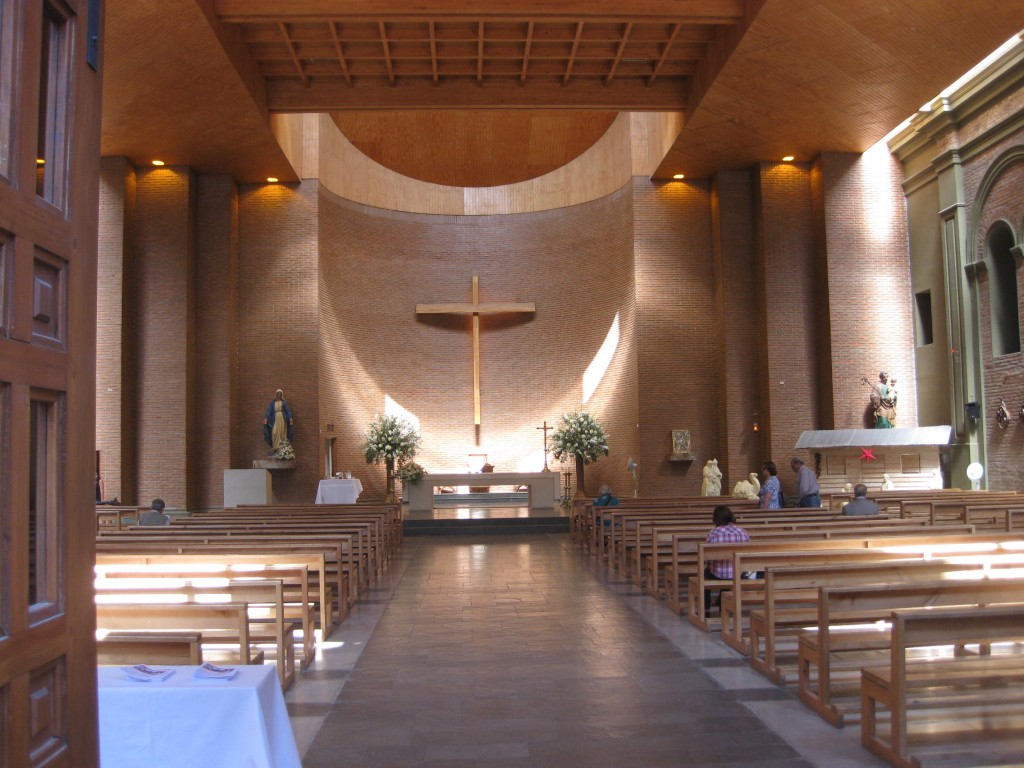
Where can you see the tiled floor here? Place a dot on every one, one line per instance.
(519, 651)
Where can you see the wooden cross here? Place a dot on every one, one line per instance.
(546, 429)
(475, 309)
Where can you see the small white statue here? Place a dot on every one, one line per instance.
(747, 489)
(848, 488)
(712, 483)
(887, 483)
(936, 483)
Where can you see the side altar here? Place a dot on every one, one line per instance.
(544, 489)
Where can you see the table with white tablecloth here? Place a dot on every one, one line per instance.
(181, 721)
(335, 491)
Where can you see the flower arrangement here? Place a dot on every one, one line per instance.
(390, 437)
(410, 473)
(390, 440)
(579, 434)
(285, 451)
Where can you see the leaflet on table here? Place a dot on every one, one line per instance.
(212, 672)
(145, 674)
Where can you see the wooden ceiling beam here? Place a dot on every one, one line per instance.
(382, 26)
(323, 95)
(480, 54)
(339, 49)
(618, 53)
(526, 51)
(433, 51)
(664, 55)
(702, 11)
(291, 52)
(572, 54)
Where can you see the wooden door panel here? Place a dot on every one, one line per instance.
(49, 111)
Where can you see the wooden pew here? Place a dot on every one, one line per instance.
(791, 601)
(267, 564)
(299, 605)
(849, 623)
(224, 626)
(330, 578)
(974, 702)
(116, 517)
(264, 601)
(749, 593)
(130, 648)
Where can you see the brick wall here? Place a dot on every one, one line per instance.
(277, 332)
(216, 350)
(679, 341)
(862, 213)
(997, 179)
(164, 327)
(787, 264)
(115, 401)
(574, 264)
(738, 308)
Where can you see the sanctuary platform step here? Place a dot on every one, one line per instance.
(484, 519)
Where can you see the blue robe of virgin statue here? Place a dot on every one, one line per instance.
(268, 428)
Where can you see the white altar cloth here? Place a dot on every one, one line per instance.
(238, 723)
(544, 488)
(338, 491)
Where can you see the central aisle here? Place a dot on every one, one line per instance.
(507, 651)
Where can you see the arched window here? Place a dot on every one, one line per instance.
(1002, 291)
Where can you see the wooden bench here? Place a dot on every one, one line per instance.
(264, 600)
(116, 517)
(130, 648)
(224, 627)
(299, 605)
(267, 564)
(850, 632)
(791, 601)
(970, 701)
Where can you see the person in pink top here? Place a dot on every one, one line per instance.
(725, 530)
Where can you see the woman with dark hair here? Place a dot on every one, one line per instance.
(771, 488)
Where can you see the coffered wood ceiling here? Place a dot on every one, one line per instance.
(495, 91)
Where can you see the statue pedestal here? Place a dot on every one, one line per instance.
(273, 464)
(247, 486)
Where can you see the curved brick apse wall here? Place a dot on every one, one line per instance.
(576, 264)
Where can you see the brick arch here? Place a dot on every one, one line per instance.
(986, 213)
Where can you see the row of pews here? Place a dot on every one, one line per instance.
(245, 585)
(910, 623)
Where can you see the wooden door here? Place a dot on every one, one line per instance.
(49, 166)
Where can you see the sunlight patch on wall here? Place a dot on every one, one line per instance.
(392, 408)
(878, 208)
(531, 462)
(602, 360)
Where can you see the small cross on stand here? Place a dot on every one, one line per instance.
(546, 429)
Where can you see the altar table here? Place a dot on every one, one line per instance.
(238, 723)
(338, 491)
(545, 490)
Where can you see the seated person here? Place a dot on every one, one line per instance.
(605, 497)
(860, 505)
(725, 530)
(155, 514)
(486, 468)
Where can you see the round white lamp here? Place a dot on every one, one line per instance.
(974, 473)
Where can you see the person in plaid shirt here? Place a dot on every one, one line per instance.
(725, 530)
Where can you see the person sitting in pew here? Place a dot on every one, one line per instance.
(605, 497)
(725, 530)
(860, 505)
(155, 514)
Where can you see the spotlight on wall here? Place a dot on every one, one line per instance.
(272, 179)
(757, 425)
(1020, 414)
(158, 163)
(788, 159)
(679, 176)
(972, 410)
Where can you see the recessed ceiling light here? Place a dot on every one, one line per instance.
(679, 176)
(788, 159)
(272, 179)
(158, 162)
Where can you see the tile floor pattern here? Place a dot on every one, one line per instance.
(518, 651)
